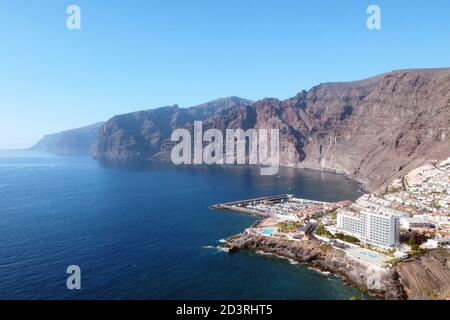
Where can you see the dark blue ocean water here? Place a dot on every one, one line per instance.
(143, 233)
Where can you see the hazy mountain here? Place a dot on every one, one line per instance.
(75, 142)
(371, 130)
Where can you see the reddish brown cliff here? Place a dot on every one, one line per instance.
(372, 130)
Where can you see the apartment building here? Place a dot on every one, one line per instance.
(374, 228)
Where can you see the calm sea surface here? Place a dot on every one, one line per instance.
(145, 233)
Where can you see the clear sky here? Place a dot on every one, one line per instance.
(140, 54)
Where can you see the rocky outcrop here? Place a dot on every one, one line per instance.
(75, 142)
(371, 130)
(373, 280)
(427, 276)
(422, 277)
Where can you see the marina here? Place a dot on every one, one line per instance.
(283, 206)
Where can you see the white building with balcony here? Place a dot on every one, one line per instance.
(374, 228)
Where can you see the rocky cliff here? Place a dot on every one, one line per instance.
(372, 130)
(377, 129)
(145, 135)
(381, 283)
(76, 142)
(426, 277)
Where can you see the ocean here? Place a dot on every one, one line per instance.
(146, 232)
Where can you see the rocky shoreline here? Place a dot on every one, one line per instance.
(425, 277)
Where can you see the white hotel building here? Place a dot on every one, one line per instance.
(374, 228)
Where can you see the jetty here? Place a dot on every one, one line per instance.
(242, 205)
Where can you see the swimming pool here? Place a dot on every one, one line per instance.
(268, 232)
(370, 255)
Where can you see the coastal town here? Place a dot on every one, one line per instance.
(407, 219)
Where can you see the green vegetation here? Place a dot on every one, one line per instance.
(413, 238)
(392, 261)
(322, 232)
(286, 227)
(394, 190)
(366, 246)
(333, 214)
(347, 238)
(416, 250)
(390, 252)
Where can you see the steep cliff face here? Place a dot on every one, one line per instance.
(76, 142)
(383, 127)
(426, 277)
(372, 130)
(145, 135)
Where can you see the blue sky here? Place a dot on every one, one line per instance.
(132, 55)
